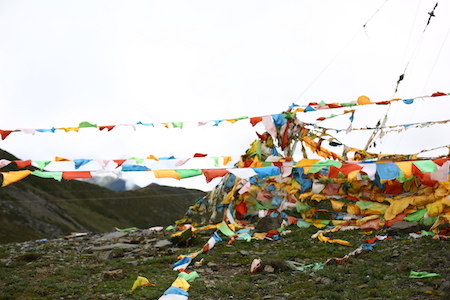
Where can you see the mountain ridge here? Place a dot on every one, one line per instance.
(36, 208)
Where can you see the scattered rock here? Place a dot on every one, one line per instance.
(324, 280)
(255, 277)
(403, 267)
(163, 244)
(114, 274)
(268, 269)
(5, 261)
(113, 235)
(122, 246)
(395, 254)
(445, 288)
(403, 227)
(214, 268)
(266, 224)
(104, 255)
(134, 263)
(107, 296)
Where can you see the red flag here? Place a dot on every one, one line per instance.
(76, 175)
(108, 127)
(437, 94)
(210, 174)
(5, 133)
(255, 120)
(119, 162)
(23, 163)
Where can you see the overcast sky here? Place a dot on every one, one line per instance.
(123, 62)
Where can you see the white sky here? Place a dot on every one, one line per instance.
(121, 62)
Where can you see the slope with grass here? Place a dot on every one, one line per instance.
(36, 208)
(58, 269)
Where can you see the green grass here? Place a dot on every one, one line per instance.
(225, 274)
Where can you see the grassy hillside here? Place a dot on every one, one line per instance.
(36, 207)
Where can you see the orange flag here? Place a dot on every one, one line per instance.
(152, 157)
(57, 158)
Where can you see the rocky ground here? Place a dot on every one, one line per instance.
(105, 265)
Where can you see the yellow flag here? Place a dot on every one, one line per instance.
(166, 174)
(226, 160)
(14, 176)
(181, 283)
(397, 206)
(67, 129)
(141, 281)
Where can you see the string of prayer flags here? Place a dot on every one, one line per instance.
(41, 164)
(264, 180)
(429, 171)
(277, 119)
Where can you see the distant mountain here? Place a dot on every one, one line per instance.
(112, 183)
(35, 207)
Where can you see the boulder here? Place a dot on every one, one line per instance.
(266, 224)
